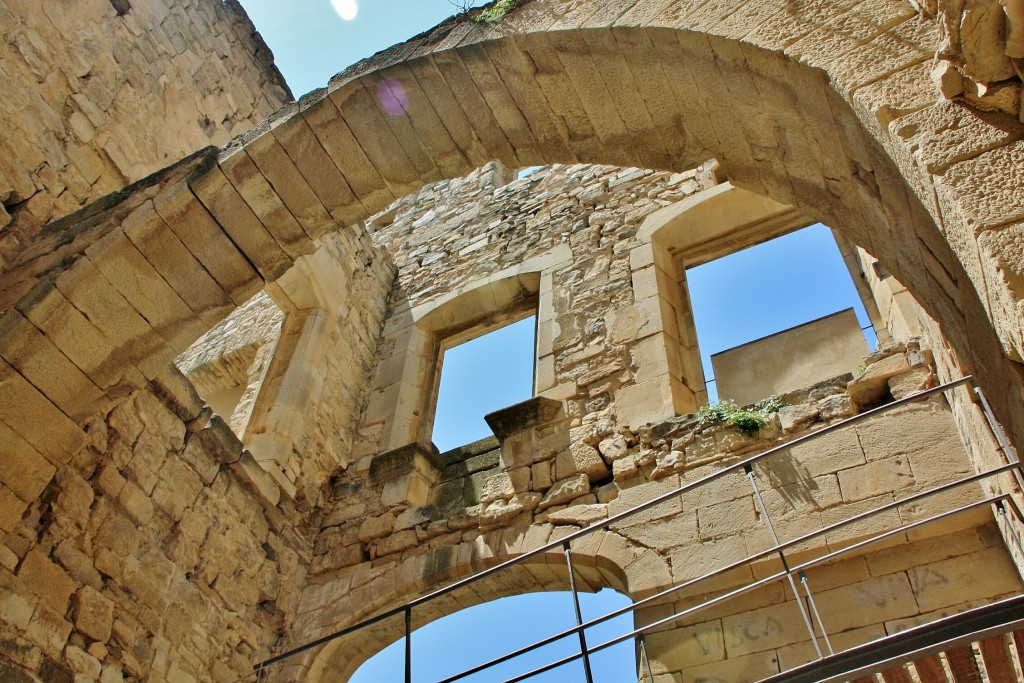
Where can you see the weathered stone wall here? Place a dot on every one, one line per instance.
(303, 388)
(578, 225)
(403, 523)
(151, 556)
(99, 94)
(351, 341)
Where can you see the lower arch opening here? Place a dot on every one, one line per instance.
(481, 633)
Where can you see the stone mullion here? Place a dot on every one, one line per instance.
(248, 404)
(276, 433)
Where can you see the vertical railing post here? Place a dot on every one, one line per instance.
(408, 644)
(1010, 527)
(579, 614)
(749, 469)
(1009, 452)
(814, 611)
(645, 662)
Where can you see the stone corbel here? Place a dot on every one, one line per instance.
(406, 474)
(516, 429)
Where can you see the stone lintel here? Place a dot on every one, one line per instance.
(526, 415)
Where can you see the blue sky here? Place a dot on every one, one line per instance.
(743, 297)
(311, 42)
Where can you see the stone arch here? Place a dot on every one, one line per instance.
(787, 114)
(824, 107)
(334, 606)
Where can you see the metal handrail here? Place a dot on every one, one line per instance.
(913, 644)
(777, 576)
(734, 565)
(1013, 466)
(605, 523)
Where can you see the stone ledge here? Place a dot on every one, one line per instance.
(401, 461)
(530, 413)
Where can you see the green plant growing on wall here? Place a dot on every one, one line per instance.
(496, 11)
(747, 421)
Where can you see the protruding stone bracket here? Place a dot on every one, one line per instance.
(515, 428)
(525, 415)
(406, 474)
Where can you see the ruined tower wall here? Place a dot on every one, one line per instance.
(105, 93)
(154, 555)
(463, 248)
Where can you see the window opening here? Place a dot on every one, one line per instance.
(227, 365)
(770, 288)
(484, 632)
(480, 376)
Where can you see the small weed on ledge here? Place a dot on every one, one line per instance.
(747, 421)
(496, 11)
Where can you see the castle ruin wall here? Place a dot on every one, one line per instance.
(107, 92)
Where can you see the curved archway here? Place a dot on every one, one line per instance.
(484, 632)
(338, 606)
(666, 88)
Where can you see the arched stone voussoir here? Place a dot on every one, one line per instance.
(834, 116)
(334, 604)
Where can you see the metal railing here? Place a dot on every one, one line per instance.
(793, 575)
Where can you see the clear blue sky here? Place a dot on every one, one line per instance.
(744, 297)
(312, 42)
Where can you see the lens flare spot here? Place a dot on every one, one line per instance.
(392, 97)
(346, 9)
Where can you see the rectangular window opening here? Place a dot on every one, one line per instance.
(778, 316)
(484, 374)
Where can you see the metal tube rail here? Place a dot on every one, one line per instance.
(757, 584)
(734, 565)
(615, 518)
(579, 615)
(910, 645)
(782, 557)
(1009, 452)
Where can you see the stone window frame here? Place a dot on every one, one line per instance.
(291, 384)
(708, 225)
(400, 410)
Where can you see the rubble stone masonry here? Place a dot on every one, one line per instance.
(106, 92)
(146, 536)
